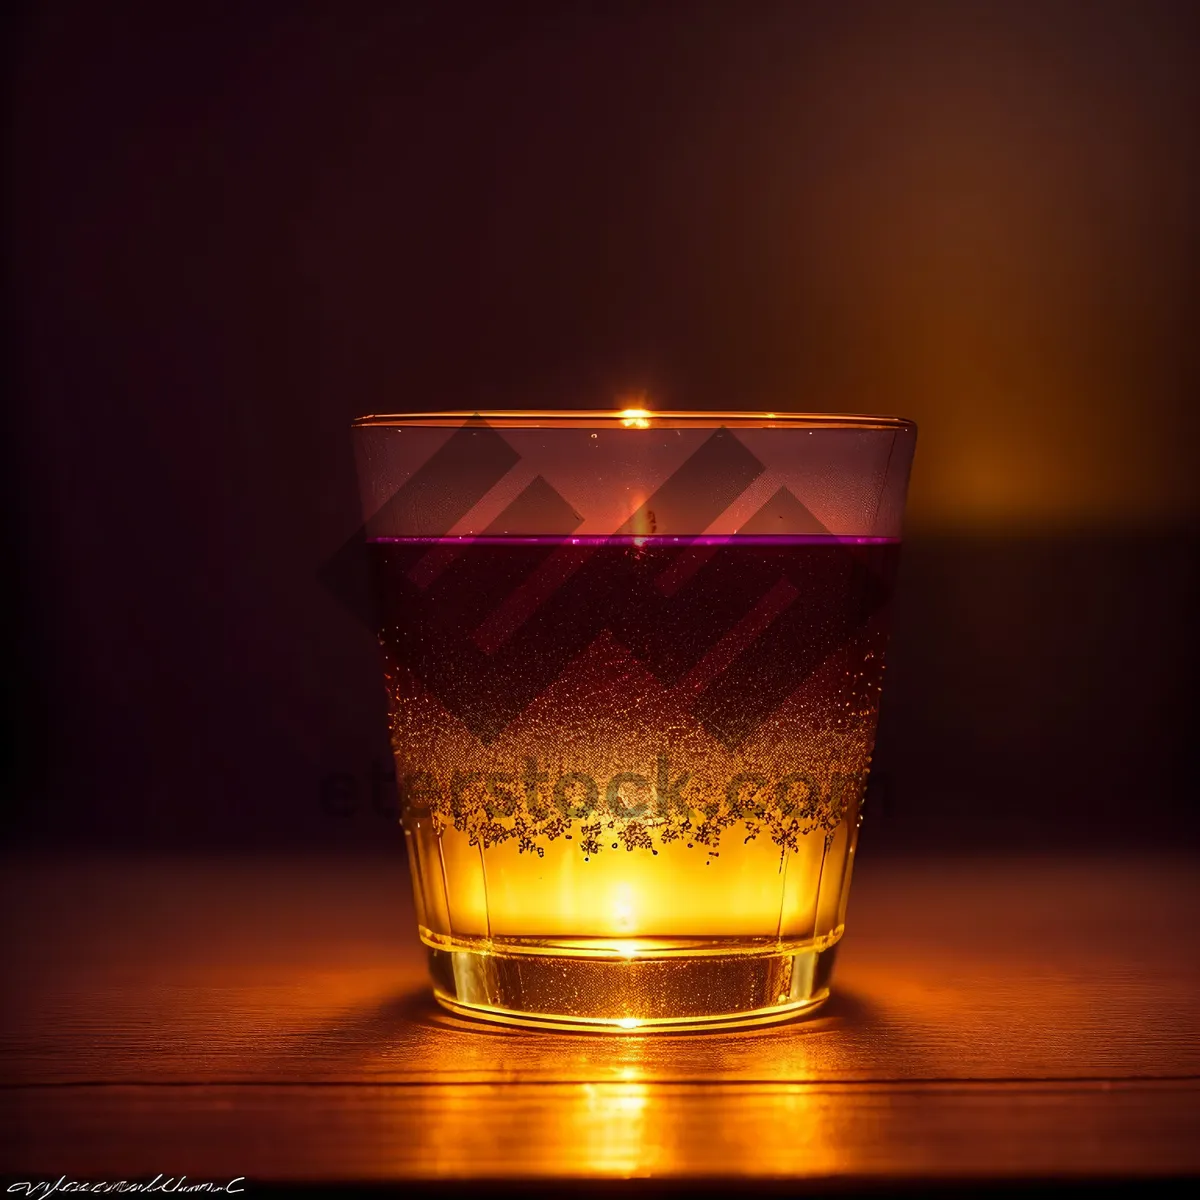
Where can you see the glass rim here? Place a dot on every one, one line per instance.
(636, 418)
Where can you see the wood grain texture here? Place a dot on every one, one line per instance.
(386, 1132)
(1003, 1015)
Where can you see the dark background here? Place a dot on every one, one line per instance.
(231, 228)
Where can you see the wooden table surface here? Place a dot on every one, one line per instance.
(1006, 1018)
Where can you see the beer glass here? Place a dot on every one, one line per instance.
(633, 665)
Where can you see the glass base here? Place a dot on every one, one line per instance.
(641, 985)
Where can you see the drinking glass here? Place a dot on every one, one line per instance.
(633, 665)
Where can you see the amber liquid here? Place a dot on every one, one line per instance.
(620, 756)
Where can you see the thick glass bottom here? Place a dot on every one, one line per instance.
(647, 985)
